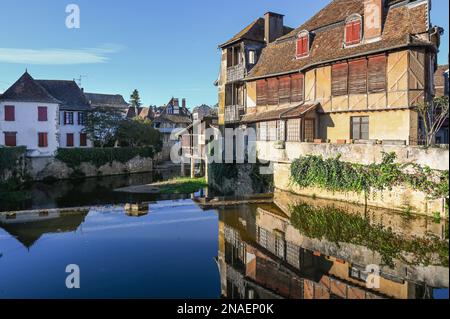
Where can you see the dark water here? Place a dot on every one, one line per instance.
(178, 250)
(88, 192)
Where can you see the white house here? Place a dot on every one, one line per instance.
(72, 112)
(29, 117)
(43, 115)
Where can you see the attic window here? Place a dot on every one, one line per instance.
(303, 44)
(353, 30)
(252, 57)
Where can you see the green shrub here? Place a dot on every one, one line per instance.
(9, 157)
(98, 157)
(335, 175)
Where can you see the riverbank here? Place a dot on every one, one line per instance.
(179, 185)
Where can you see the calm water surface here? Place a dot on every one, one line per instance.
(176, 249)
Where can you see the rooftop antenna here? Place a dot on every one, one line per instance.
(80, 80)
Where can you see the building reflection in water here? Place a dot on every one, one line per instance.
(261, 255)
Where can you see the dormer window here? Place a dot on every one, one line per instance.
(353, 30)
(303, 44)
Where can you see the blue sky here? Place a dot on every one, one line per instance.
(162, 48)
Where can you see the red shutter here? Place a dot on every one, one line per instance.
(339, 79)
(42, 114)
(83, 139)
(357, 77)
(10, 139)
(302, 46)
(297, 87)
(10, 113)
(272, 91)
(377, 73)
(353, 32)
(284, 89)
(261, 92)
(69, 140)
(42, 139)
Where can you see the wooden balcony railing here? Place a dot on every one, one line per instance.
(233, 113)
(236, 73)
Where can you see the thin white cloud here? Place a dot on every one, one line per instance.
(58, 56)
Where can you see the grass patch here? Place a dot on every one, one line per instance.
(181, 185)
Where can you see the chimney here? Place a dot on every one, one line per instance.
(373, 19)
(183, 103)
(273, 26)
(176, 102)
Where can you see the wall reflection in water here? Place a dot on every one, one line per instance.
(262, 255)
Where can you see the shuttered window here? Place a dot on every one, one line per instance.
(81, 118)
(293, 130)
(272, 130)
(339, 85)
(297, 87)
(309, 130)
(302, 46)
(272, 91)
(261, 92)
(83, 139)
(353, 32)
(377, 73)
(42, 114)
(42, 140)
(68, 118)
(262, 131)
(69, 140)
(360, 127)
(284, 89)
(10, 139)
(357, 77)
(10, 113)
(280, 131)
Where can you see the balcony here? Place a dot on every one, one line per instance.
(233, 113)
(236, 73)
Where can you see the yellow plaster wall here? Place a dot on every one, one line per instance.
(221, 87)
(323, 87)
(385, 125)
(310, 85)
(251, 94)
(397, 79)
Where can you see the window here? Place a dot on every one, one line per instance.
(297, 87)
(353, 30)
(42, 114)
(83, 139)
(360, 128)
(272, 130)
(357, 77)
(303, 44)
(42, 140)
(284, 89)
(280, 130)
(339, 79)
(10, 113)
(293, 130)
(11, 139)
(252, 57)
(261, 92)
(272, 91)
(69, 140)
(68, 118)
(81, 118)
(309, 130)
(376, 70)
(262, 131)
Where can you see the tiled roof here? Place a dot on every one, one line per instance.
(179, 119)
(280, 113)
(68, 92)
(106, 100)
(328, 34)
(26, 89)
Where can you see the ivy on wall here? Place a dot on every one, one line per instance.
(335, 175)
(12, 161)
(338, 226)
(98, 157)
(9, 157)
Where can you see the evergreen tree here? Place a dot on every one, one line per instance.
(135, 101)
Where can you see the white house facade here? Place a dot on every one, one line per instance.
(43, 115)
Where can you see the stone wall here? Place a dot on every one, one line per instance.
(399, 198)
(43, 168)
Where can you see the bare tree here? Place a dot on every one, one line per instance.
(433, 115)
